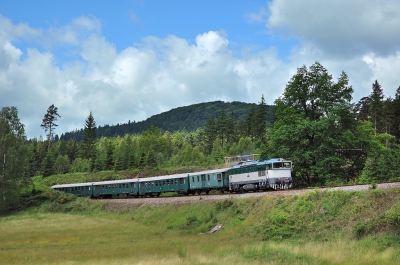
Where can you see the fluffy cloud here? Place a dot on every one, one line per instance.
(359, 37)
(133, 84)
(341, 27)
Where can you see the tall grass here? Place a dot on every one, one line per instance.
(318, 228)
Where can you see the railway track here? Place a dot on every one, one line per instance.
(129, 202)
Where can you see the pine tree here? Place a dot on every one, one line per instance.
(48, 123)
(231, 123)
(222, 128)
(261, 121)
(395, 129)
(210, 133)
(89, 138)
(250, 123)
(376, 106)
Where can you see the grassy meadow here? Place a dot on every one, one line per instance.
(317, 228)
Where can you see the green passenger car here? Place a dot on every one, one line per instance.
(79, 189)
(156, 185)
(116, 188)
(206, 181)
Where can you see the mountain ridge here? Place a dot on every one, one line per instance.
(187, 118)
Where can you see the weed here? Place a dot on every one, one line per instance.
(373, 185)
(223, 204)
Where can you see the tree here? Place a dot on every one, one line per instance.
(260, 126)
(48, 122)
(13, 158)
(315, 123)
(61, 165)
(47, 167)
(210, 133)
(222, 127)
(231, 123)
(361, 109)
(89, 138)
(250, 123)
(395, 127)
(376, 106)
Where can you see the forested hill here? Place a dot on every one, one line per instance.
(187, 118)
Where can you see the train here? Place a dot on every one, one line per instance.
(255, 175)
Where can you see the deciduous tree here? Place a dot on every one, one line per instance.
(315, 123)
(13, 158)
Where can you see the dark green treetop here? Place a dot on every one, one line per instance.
(89, 138)
(48, 123)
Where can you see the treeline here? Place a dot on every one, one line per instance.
(383, 112)
(188, 118)
(222, 135)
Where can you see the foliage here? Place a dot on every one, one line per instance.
(89, 136)
(316, 129)
(13, 157)
(382, 167)
(48, 123)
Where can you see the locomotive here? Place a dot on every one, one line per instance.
(246, 176)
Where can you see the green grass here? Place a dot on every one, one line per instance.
(317, 228)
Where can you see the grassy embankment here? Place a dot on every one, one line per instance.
(317, 228)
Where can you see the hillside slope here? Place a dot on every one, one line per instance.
(187, 118)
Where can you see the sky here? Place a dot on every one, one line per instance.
(127, 60)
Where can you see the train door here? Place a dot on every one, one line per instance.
(181, 184)
(142, 188)
(203, 181)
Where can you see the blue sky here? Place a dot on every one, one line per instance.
(129, 60)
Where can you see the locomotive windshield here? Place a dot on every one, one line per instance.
(282, 165)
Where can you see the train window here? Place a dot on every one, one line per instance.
(219, 176)
(203, 177)
(208, 177)
(176, 181)
(198, 178)
(192, 179)
(261, 173)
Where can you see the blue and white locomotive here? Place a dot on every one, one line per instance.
(273, 173)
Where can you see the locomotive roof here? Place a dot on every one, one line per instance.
(259, 162)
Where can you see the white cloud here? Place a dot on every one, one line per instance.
(259, 17)
(340, 27)
(155, 76)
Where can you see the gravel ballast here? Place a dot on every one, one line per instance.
(130, 202)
